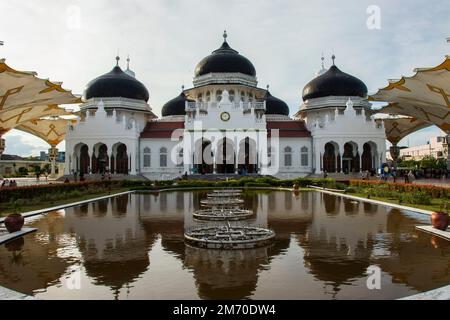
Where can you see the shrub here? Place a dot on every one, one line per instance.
(415, 198)
(350, 190)
(257, 184)
(340, 186)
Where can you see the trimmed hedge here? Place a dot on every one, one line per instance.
(34, 191)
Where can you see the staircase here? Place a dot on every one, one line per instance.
(96, 177)
(221, 176)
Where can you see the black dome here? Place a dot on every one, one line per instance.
(334, 82)
(275, 105)
(225, 59)
(116, 83)
(175, 106)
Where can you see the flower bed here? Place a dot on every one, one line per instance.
(430, 190)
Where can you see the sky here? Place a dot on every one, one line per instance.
(76, 41)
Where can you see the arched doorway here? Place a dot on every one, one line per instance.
(203, 157)
(225, 156)
(100, 159)
(247, 156)
(368, 157)
(350, 158)
(83, 165)
(121, 159)
(329, 158)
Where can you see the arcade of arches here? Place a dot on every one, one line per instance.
(348, 158)
(225, 158)
(100, 160)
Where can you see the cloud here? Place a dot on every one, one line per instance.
(24, 144)
(167, 38)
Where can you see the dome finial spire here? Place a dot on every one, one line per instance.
(117, 58)
(182, 87)
(128, 62)
(267, 86)
(225, 36)
(333, 57)
(322, 58)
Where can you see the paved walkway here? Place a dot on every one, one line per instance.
(32, 181)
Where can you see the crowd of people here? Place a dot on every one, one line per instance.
(8, 183)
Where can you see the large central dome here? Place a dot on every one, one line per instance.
(334, 82)
(114, 84)
(225, 59)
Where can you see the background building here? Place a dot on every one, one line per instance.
(436, 148)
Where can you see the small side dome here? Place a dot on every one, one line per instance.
(334, 82)
(176, 106)
(115, 84)
(223, 60)
(275, 105)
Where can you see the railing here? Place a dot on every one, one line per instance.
(204, 106)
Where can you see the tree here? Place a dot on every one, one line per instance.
(22, 171)
(37, 171)
(47, 169)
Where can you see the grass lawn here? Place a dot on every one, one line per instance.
(7, 208)
(435, 203)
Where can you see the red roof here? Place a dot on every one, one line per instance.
(161, 129)
(288, 129)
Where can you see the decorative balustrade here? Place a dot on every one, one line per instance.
(205, 106)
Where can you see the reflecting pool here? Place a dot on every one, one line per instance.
(132, 247)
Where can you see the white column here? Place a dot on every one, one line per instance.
(91, 155)
(133, 162)
(318, 150)
(213, 150)
(360, 151)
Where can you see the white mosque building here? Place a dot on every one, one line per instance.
(224, 125)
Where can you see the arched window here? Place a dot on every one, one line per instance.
(304, 156)
(147, 157)
(232, 94)
(180, 162)
(163, 157)
(208, 96)
(218, 95)
(287, 156)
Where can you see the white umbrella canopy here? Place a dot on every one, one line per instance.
(24, 96)
(399, 127)
(51, 129)
(424, 96)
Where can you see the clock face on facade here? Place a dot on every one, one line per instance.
(225, 116)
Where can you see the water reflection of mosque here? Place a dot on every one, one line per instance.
(340, 239)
